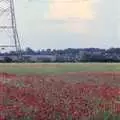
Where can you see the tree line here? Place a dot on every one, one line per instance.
(75, 55)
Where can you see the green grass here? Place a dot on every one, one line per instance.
(53, 68)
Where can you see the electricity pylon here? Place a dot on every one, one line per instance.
(7, 10)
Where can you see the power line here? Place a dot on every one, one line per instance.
(8, 7)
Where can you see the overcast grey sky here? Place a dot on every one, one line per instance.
(67, 23)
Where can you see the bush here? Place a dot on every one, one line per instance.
(7, 59)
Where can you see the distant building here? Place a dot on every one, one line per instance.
(32, 58)
(39, 58)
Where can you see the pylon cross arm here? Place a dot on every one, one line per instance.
(7, 6)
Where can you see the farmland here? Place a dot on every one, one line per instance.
(66, 91)
(54, 68)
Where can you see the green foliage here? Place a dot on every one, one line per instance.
(106, 115)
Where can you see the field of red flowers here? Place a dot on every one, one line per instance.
(72, 96)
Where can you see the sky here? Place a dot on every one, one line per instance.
(59, 24)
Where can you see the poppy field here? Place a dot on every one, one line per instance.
(69, 95)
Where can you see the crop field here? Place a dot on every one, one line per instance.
(55, 68)
(65, 91)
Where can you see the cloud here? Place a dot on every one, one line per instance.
(76, 14)
(67, 10)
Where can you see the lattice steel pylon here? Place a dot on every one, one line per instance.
(7, 8)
